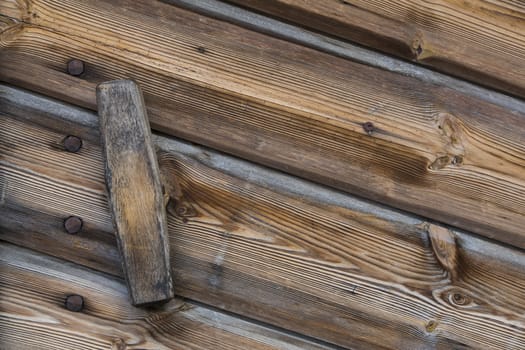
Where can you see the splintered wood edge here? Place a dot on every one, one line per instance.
(135, 191)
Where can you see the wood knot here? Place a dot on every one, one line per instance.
(452, 148)
(10, 30)
(419, 49)
(443, 161)
(180, 209)
(457, 160)
(431, 326)
(460, 298)
(440, 162)
(185, 210)
(451, 129)
(444, 247)
(118, 344)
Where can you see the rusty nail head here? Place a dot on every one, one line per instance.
(72, 143)
(75, 67)
(368, 127)
(73, 224)
(74, 303)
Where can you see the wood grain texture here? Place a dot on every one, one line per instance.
(33, 288)
(275, 248)
(135, 191)
(434, 151)
(479, 40)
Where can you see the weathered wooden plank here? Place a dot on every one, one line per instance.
(284, 30)
(33, 289)
(276, 248)
(478, 40)
(135, 191)
(433, 151)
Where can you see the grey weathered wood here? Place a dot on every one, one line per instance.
(135, 191)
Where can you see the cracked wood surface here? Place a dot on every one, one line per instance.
(33, 289)
(433, 151)
(478, 40)
(266, 245)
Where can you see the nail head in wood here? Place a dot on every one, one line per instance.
(73, 224)
(75, 67)
(135, 191)
(74, 303)
(72, 143)
(368, 127)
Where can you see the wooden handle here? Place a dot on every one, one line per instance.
(135, 191)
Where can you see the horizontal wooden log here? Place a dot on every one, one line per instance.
(430, 150)
(34, 288)
(260, 22)
(272, 247)
(135, 191)
(478, 40)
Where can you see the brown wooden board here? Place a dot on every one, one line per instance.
(479, 40)
(135, 191)
(266, 245)
(429, 150)
(34, 287)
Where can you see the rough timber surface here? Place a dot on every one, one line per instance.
(266, 245)
(479, 40)
(288, 31)
(33, 288)
(135, 191)
(433, 151)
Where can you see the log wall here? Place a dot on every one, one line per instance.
(319, 194)
(428, 149)
(478, 40)
(266, 245)
(34, 288)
